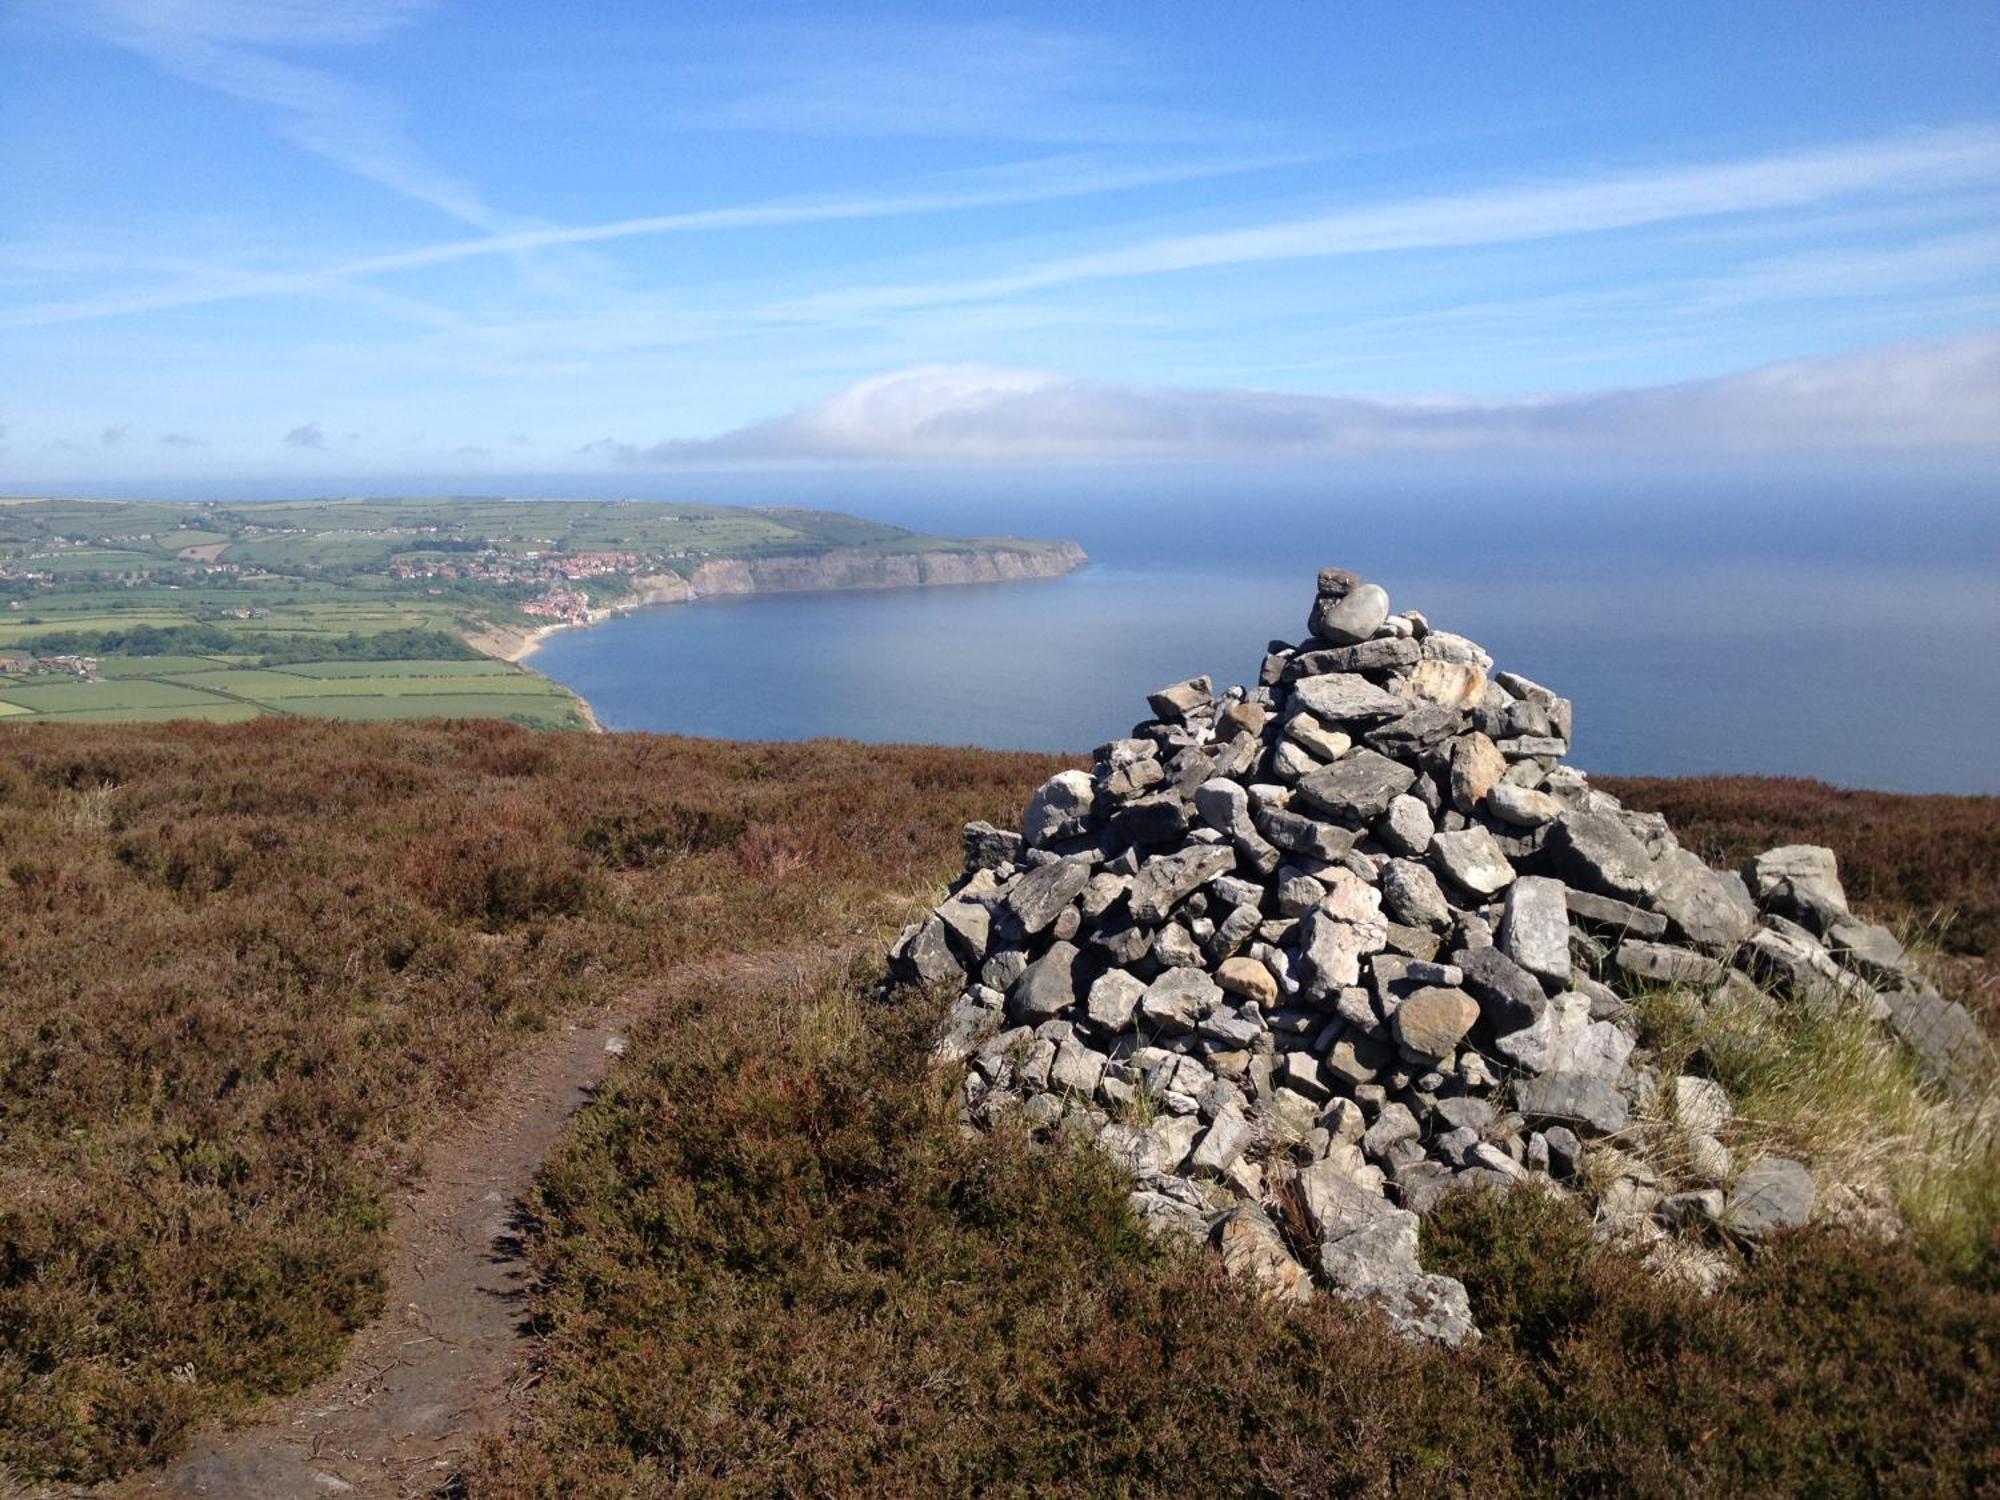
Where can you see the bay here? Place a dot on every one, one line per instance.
(1836, 639)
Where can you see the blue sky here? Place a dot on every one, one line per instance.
(248, 237)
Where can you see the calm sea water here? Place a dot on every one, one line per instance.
(1843, 625)
(1816, 635)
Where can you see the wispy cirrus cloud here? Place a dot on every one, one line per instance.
(990, 80)
(1903, 165)
(1073, 175)
(1913, 397)
(234, 47)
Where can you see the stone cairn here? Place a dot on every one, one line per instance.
(1306, 957)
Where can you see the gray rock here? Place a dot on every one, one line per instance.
(1047, 987)
(1465, 1112)
(1299, 834)
(1394, 1124)
(966, 1025)
(1701, 1106)
(1174, 947)
(1579, 1098)
(1301, 1073)
(1001, 969)
(970, 919)
(1229, 1029)
(1037, 897)
(1800, 881)
(1385, 654)
(988, 848)
(1621, 917)
(1410, 735)
(1595, 851)
(1175, 702)
(1868, 949)
(1059, 809)
(1473, 860)
(1565, 1150)
(926, 954)
(1510, 996)
(1333, 947)
(1545, 1044)
(1662, 964)
(1335, 583)
(1299, 894)
(1708, 908)
(1368, 1251)
(1346, 698)
(1359, 787)
(1114, 1000)
(1947, 1042)
(1077, 1069)
(1164, 881)
(1232, 932)
(1179, 1000)
(1519, 807)
(1159, 819)
(1221, 1144)
(1232, 891)
(1771, 1194)
(1443, 645)
(1165, 1216)
(1410, 894)
(1534, 930)
(1118, 943)
(1406, 827)
(1353, 617)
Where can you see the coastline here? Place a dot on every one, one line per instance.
(831, 572)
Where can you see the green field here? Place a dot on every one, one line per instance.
(218, 689)
(280, 583)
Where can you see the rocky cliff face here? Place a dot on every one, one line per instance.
(1306, 957)
(851, 568)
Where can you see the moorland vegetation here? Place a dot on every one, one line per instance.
(246, 972)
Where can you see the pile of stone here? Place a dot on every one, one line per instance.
(1308, 956)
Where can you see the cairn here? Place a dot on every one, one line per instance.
(1306, 957)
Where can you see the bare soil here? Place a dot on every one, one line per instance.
(441, 1369)
(434, 1374)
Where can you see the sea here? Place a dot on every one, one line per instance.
(1842, 625)
(1746, 628)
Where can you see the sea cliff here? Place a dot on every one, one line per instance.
(981, 560)
(860, 568)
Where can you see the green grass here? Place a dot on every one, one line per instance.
(44, 696)
(163, 666)
(333, 670)
(153, 689)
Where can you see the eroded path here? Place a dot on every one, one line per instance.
(432, 1375)
(421, 1386)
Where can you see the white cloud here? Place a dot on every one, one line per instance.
(1942, 396)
